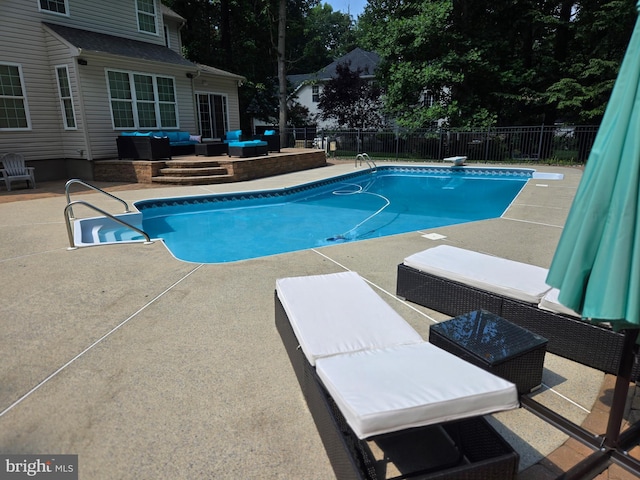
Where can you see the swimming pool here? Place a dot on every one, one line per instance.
(362, 205)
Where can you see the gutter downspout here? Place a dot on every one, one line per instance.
(85, 129)
(193, 96)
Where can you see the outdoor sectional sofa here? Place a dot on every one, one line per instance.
(155, 145)
(272, 138)
(455, 281)
(239, 146)
(377, 403)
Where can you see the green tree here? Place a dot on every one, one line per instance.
(600, 35)
(501, 62)
(326, 35)
(241, 36)
(351, 101)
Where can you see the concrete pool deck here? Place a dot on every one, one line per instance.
(148, 367)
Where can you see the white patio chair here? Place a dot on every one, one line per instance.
(15, 170)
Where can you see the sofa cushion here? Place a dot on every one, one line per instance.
(234, 135)
(173, 136)
(395, 388)
(138, 134)
(509, 278)
(269, 132)
(550, 302)
(339, 313)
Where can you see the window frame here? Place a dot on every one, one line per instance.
(23, 98)
(135, 102)
(63, 99)
(140, 12)
(315, 93)
(53, 12)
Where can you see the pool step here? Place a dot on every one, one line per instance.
(193, 180)
(191, 163)
(193, 172)
(190, 171)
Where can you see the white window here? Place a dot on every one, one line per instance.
(141, 100)
(147, 21)
(315, 93)
(14, 112)
(428, 98)
(66, 100)
(54, 6)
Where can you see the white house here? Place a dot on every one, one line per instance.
(75, 73)
(308, 87)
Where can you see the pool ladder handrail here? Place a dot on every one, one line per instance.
(365, 157)
(68, 212)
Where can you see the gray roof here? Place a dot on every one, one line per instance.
(218, 72)
(167, 12)
(360, 59)
(126, 47)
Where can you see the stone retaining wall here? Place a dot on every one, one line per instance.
(273, 164)
(135, 171)
(143, 171)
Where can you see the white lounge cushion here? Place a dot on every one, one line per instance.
(550, 302)
(390, 389)
(339, 313)
(508, 278)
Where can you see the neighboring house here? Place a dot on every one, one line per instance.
(308, 87)
(75, 73)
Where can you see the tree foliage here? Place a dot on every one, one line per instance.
(485, 63)
(241, 36)
(326, 35)
(499, 62)
(350, 100)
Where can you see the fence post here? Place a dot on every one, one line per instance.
(486, 143)
(540, 142)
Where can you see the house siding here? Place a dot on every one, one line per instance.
(22, 42)
(73, 142)
(175, 40)
(115, 17)
(99, 121)
(25, 41)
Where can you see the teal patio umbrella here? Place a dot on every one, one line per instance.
(596, 265)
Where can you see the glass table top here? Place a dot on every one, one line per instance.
(488, 336)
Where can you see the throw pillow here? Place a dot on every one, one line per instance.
(195, 138)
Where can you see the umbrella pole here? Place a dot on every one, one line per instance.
(621, 389)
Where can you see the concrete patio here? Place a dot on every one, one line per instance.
(148, 367)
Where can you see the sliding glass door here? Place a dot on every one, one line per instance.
(212, 115)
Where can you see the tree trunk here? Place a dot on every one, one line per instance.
(282, 74)
(225, 34)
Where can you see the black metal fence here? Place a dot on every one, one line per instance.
(550, 144)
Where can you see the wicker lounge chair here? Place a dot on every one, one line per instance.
(334, 328)
(455, 281)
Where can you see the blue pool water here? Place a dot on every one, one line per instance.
(230, 227)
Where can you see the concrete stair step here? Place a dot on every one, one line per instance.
(193, 171)
(193, 180)
(191, 163)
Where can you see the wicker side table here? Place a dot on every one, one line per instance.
(496, 345)
(209, 149)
